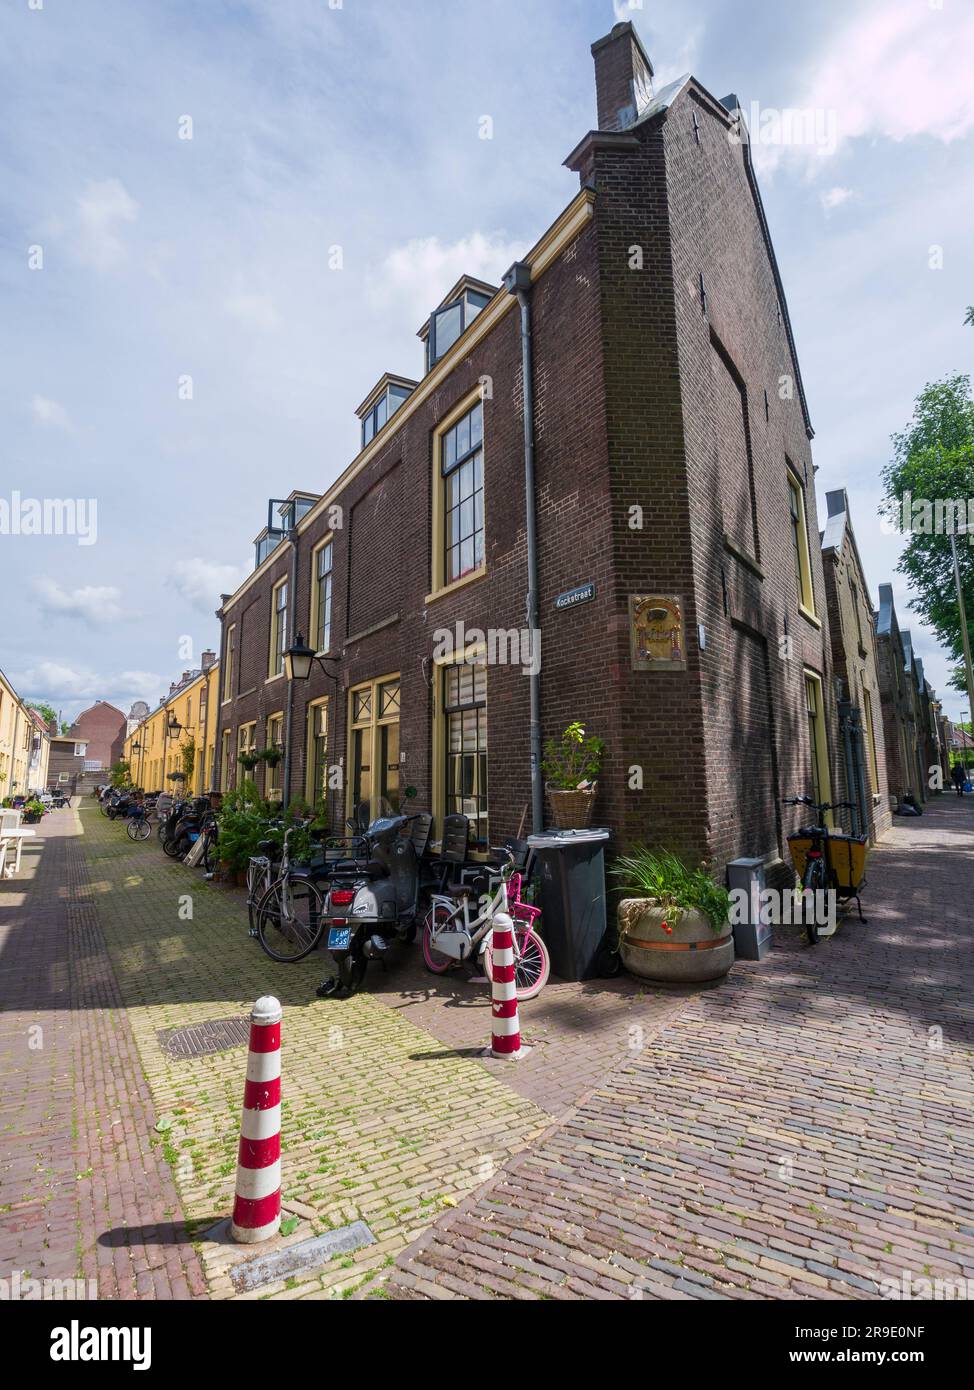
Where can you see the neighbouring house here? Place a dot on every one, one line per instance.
(98, 734)
(179, 735)
(681, 602)
(909, 758)
(862, 744)
(25, 744)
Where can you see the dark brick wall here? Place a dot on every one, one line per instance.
(646, 398)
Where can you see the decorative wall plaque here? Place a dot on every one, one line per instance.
(657, 632)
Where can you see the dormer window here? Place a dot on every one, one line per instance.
(381, 404)
(266, 542)
(448, 323)
(293, 510)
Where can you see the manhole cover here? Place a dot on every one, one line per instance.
(199, 1039)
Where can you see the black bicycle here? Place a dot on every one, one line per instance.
(813, 860)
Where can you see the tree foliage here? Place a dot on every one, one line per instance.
(47, 712)
(933, 462)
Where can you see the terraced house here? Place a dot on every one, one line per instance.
(611, 449)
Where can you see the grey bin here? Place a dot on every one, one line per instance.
(572, 868)
(752, 937)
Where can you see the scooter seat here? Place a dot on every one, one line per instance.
(357, 868)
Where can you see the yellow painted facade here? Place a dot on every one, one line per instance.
(153, 754)
(24, 749)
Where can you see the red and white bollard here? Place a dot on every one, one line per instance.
(257, 1203)
(505, 1039)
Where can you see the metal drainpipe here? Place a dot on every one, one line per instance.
(517, 281)
(845, 724)
(289, 638)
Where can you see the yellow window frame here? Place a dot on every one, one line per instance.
(438, 558)
(806, 589)
(314, 611)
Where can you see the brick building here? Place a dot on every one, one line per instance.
(681, 600)
(862, 746)
(99, 736)
(908, 756)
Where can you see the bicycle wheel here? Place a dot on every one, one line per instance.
(139, 829)
(532, 964)
(290, 919)
(435, 960)
(813, 883)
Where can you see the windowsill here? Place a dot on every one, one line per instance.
(456, 584)
(810, 616)
(270, 679)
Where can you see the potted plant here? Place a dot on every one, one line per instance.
(249, 759)
(33, 810)
(273, 755)
(676, 928)
(571, 768)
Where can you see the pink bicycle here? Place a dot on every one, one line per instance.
(453, 933)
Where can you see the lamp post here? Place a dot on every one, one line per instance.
(172, 729)
(298, 661)
(136, 747)
(964, 530)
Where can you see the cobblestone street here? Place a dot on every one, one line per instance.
(803, 1131)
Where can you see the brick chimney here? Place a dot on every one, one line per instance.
(623, 77)
(206, 660)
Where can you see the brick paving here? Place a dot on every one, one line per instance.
(84, 1192)
(802, 1132)
(371, 1130)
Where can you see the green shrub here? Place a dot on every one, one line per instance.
(663, 876)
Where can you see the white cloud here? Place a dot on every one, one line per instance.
(835, 197)
(94, 605)
(50, 680)
(202, 582)
(416, 276)
(50, 413)
(103, 209)
(899, 69)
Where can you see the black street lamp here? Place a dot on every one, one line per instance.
(298, 661)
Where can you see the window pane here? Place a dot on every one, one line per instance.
(463, 436)
(381, 413)
(476, 424)
(447, 325)
(449, 449)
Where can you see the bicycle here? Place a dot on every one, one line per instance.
(290, 915)
(138, 827)
(451, 935)
(260, 876)
(818, 872)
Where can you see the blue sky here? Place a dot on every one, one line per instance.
(359, 126)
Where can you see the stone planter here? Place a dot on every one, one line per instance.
(692, 953)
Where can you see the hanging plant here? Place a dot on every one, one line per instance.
(248, 760)
(273, 755)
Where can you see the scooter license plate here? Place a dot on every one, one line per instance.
(339, 938)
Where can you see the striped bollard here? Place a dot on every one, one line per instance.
(257, 1202)
(505, 1039)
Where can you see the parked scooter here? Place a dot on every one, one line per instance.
(372, 901)
(187, 829)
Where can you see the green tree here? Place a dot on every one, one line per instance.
(933, 462)
(45, 710)
(119, 775)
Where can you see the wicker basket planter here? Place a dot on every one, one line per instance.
(572, 810)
